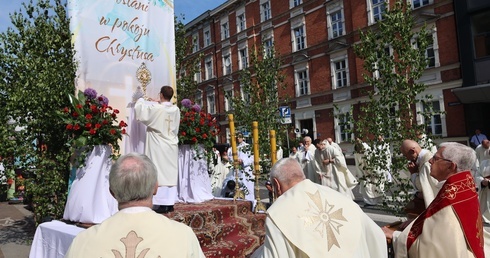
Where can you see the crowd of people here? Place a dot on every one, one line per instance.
(314, 214)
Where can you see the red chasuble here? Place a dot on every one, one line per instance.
(459, 191)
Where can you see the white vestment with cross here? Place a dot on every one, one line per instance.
(162, 121)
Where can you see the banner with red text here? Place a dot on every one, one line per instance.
(115, 38)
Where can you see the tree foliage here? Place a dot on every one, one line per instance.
(394, 58)
(186, 64)
(258, 99)
(38, 72)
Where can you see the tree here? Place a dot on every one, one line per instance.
(186, 63)
(394, 59)
(36, 64)
(258, 99)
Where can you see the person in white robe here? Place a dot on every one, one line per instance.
(295, 154)
(136, 230)
(308, 162)
(311, 220)
(245, 173)
(162, 120)
(335, 145)
(332, 169)
(426, 186)
(483, 178)
(220, 172)
(451, 226)
(372, 184)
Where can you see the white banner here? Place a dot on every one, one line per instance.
(113, 38)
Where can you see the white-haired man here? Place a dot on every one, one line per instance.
(308, 162)
(451, 226)
(136, 230)
(311, 220)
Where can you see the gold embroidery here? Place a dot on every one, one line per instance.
(325, 220)
(479, 230)
(131, 241)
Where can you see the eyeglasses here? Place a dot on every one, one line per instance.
(435, 158)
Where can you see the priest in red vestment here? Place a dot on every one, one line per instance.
(451, 226)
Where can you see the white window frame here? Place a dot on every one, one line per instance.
(208, 67)
(299, 38)
(335, 72)
(227, 63)
(241, 20)
(207, 36)
(302, 80)
(245, 96)
(376, 74)
(265, 10)
(294, 3)
(335, 28)
(225, 28)
(375, 5)
(198, 97)
(211, 100)
(421, 3)
(437, 96)
(268, 47)
(197, 75)
(434, 47)
(228, 91)
(340, 134)
(242, 58)
(195, 42)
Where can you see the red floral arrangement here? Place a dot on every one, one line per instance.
(197, 126)
(90, 121)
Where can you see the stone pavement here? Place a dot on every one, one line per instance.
(16, 230)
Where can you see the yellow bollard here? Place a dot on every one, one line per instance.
(260, 207)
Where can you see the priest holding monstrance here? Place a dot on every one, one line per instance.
(162, 120)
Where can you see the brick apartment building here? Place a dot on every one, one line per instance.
(314, 39)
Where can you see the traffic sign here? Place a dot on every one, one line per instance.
(285, 114)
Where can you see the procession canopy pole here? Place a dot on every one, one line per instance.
(272, 134)
(236, 165)
(260, 206)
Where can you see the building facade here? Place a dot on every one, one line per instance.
(315, 39)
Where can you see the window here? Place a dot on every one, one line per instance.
(344, 127)
(336, 28)
(209, 67)
(302, 83)
(242, 55)
(268, 47)
(197, 75)
(340, 73)
(225, 30)
(481, 34)
(265, 11)
(228, 98)
(241, 22)
(376, 9)
(378, 67)
(195, 43)
(211, 100)
(431, 52)
(299, 38)
(434, 124)
(245, 94)
(420, 3)
(207, 38)
(297, 2)
(198, 98)
(227, 64)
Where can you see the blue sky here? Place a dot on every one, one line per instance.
(190, 8)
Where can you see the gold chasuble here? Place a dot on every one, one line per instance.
(311, 220)
(451, 226)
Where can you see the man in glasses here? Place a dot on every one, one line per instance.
(419, 169)
(451, 226)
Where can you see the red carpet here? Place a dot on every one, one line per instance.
(224, 228)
